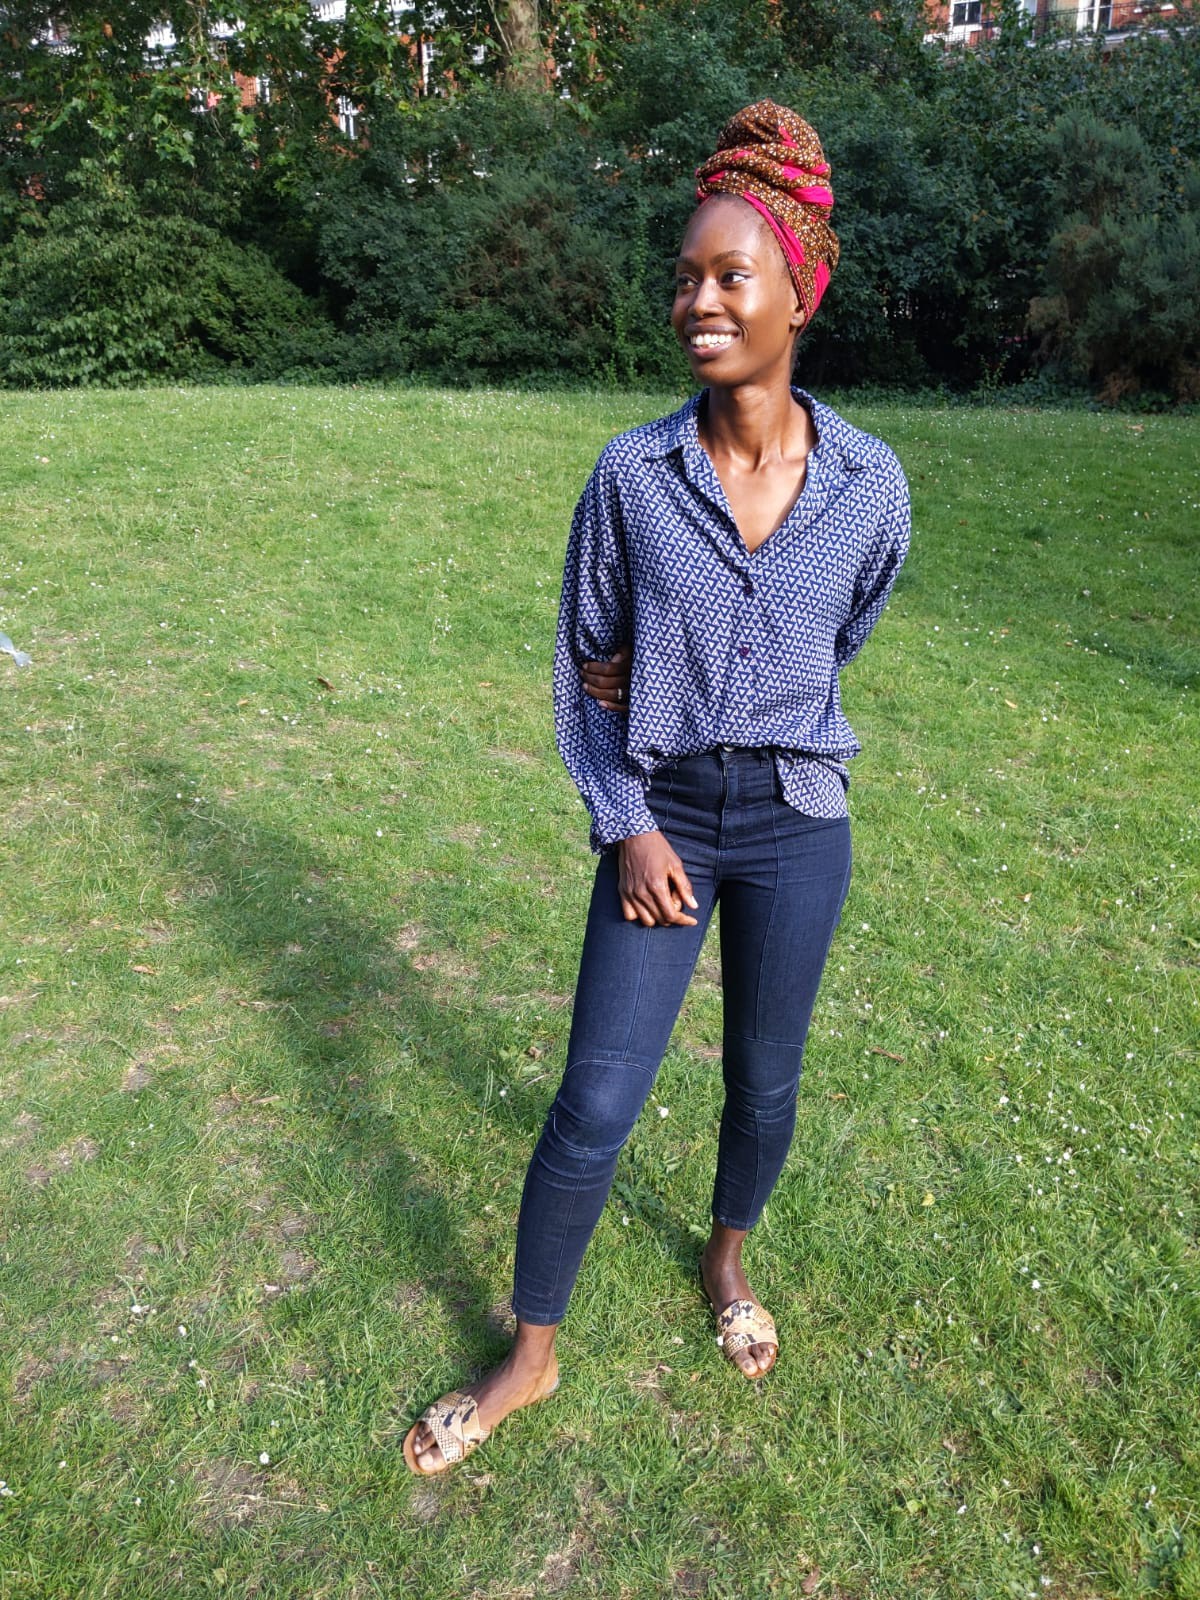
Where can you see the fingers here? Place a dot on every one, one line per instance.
(608, 681)
(655, 905)
(652, 884)
(683, 886)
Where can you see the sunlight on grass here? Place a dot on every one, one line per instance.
(294, 892)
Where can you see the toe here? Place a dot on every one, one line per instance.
(764, 1354)
(426, 1451)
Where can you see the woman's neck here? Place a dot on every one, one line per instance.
(755, 424)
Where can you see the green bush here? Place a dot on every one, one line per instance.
(1122, 302)
(93, 292)
(497, 258)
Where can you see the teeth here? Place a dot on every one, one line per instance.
(710, 341)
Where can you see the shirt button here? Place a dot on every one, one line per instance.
(747, 588)
(743, 651)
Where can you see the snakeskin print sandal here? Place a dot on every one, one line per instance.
(741, 1324)
(454, 1423)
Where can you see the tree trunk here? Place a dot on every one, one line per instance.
(524, 60)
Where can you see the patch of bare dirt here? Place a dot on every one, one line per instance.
(24, 1128)
(410, 937)
(294, 1226)
(408, 1297)
(22, 998)
(30, 1373)
(544, 999)
(445, 964)
(295, 1267)
(335, 1027)
(551, 999)
(262, 1202)
(708, 968)
(123, 1407)
(81, 1148)
(424, 1502)
(233, 1494)
(521, 758)
(692, 1581)
(100, 1373)
(500, 1319)
(302, 1371)
(155, 933)
(560, 1566)
(136, 1076)
(706, 1052)
(137, 1248)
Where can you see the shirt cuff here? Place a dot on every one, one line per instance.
(609, 830)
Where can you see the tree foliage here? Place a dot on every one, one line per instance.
(98, 293)
(512, 207)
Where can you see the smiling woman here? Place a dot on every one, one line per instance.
(724, 564)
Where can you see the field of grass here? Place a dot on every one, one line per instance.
(293, 891)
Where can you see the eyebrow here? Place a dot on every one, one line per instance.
(726, 255)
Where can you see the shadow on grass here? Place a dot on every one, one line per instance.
(332, 980)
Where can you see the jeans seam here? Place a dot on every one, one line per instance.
(562, 1237)
(758, 986)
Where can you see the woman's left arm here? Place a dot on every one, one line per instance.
(884, 560)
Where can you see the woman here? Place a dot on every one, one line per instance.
(744, 548)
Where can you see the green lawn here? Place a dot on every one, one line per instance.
(293, 890)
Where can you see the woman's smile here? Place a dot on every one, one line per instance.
(706, 342)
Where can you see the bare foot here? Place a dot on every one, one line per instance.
(725, 1281)
(519, 1380)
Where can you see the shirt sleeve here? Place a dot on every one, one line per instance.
(595, 616)
(884, 560)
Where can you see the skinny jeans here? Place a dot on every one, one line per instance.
(781, 879)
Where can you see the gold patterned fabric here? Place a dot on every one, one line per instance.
(772, 158)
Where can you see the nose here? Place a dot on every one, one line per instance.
(706, 297)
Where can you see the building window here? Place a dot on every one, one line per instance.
(966, 13)
(347, 116)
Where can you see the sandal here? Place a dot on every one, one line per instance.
(454, 1423)
(741, 1324)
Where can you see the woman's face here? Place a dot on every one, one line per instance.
(736, 311)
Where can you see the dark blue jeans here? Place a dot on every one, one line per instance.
(781, 878)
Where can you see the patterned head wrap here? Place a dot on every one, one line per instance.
(771, 157)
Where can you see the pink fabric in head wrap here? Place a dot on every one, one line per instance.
(770, 156)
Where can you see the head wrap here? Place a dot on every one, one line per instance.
(771, 157)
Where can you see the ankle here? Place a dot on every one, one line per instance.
(533, 1350)
(719, 1256)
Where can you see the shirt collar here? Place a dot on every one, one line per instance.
(835, 436)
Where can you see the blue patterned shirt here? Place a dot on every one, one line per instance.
(729, 647)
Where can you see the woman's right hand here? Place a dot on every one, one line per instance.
(653, 886)
(608, 681)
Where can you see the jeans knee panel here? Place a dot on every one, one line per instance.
(764, 1108)
(597, 1105)
(761, 1072)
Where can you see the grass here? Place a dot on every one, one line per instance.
(293, 893)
